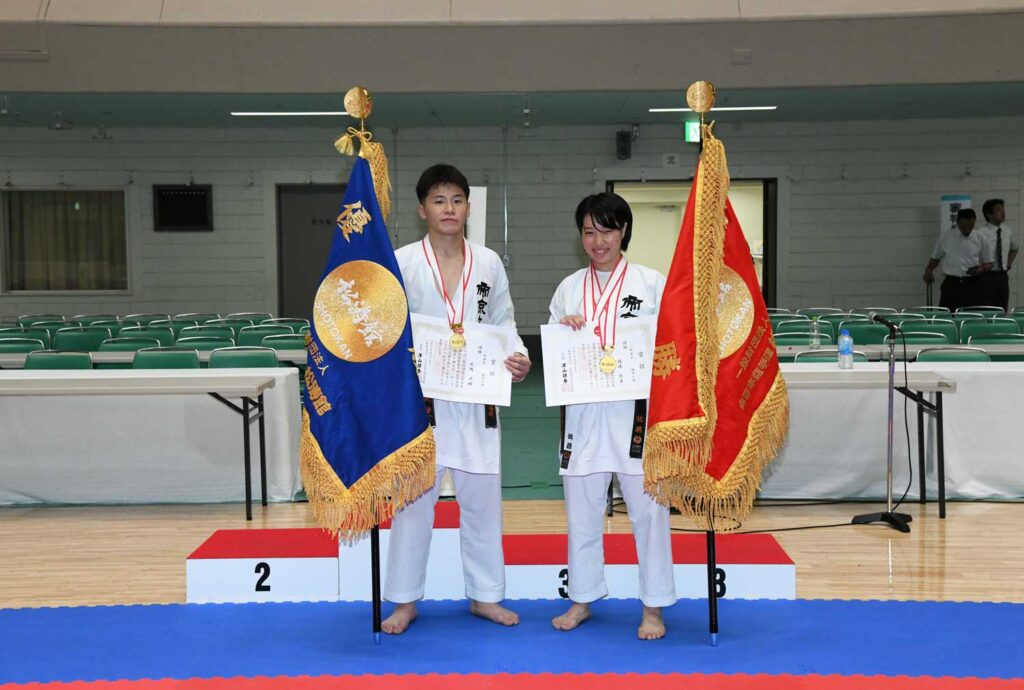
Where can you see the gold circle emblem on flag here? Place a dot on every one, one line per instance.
(735, 312)
(360, 311)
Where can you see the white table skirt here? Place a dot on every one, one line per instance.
(837, 439)
(144, 448)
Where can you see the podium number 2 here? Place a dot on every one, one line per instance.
(563, 577)
(263, 570)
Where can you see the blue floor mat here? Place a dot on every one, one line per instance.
(798, 637)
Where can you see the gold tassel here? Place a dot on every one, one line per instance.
(394, 482)
(712, 502)
(373, 152)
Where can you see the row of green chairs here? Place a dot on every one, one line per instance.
(865, 332)
(93, 338)
(159, 358)
(930, 354)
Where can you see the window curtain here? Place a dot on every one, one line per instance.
(66, 240)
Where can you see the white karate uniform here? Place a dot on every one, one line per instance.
(464, 445)
(598, 438)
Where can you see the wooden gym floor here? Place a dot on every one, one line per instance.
(57, 556)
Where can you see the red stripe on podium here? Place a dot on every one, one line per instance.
(268, 543)
(446, 516)
(620, 549)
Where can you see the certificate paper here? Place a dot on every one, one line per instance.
(474, 374)
(572, 373)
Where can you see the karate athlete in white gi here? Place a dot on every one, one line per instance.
(598, 438)
(448, 277)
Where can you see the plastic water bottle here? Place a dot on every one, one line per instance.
(815, 334)
(845, 350)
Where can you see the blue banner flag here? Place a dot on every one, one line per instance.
(367, 449)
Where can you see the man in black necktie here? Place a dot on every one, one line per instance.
(999, 249)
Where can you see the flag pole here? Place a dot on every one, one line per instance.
(700, 96)
(375, 577)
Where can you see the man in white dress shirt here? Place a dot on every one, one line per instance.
(448, 277)
(958, 254)
(998, 248)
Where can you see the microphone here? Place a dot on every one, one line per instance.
(878, 318)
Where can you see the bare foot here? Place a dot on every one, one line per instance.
(400, 618)
(577, 614)
(652, 626)
(493, 612)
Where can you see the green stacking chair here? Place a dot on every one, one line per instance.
(91, 319)
(113, 325)
(208, 332)
(13, 344)
(144, 319)
(52, 359)
(176, 325)
(953, 354)
(79, 338)
(818, 311)
(794, 326)
(243, 357)
(776, 319)
(165, 358)
(826, 355)
(1018, 316)
(997, 339)
(33, 319)
(51, 327)
(198, 317)
(944, 326)
(975, 327)
(865, 332)
(831, 321)
(234, 324)
(293, 324)
(127, 344)
(868, 311)
(304, 329)
(930, 310)
(256, 317)
(161, 334)
(123, 345)
(35, 333)
(919, 338)
(985, 310)
(295, 341)
(800, 339)
(961, 316)
(906, 316)
(253, 336)
(203, 343)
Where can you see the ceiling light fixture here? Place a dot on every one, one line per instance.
(690, 110)
(288, 114)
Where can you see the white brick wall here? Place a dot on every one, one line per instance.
(858, 201)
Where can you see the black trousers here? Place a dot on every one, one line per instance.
(955, 293)
(996, 285)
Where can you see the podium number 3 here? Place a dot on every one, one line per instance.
(263, 570)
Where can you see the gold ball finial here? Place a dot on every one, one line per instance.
(701, 96)
(358, 102)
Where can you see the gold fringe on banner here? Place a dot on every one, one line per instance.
(681, 449)
(395, 481)
(712, 502)
(373, 152)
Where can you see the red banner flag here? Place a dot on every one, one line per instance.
(719, 411)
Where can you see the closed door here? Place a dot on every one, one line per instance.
(305, 228)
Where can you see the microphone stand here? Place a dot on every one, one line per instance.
(897, 521)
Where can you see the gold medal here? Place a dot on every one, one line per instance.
(457, 341)
(608, 363)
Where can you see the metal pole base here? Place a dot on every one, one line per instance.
(714, 639)
(898, 521)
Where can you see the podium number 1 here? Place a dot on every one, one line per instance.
(263, 570)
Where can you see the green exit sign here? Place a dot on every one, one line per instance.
(692, 132)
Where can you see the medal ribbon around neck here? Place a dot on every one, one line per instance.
(599, 305)
(455, 316)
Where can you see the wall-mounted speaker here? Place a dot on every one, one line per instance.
(623, 145)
